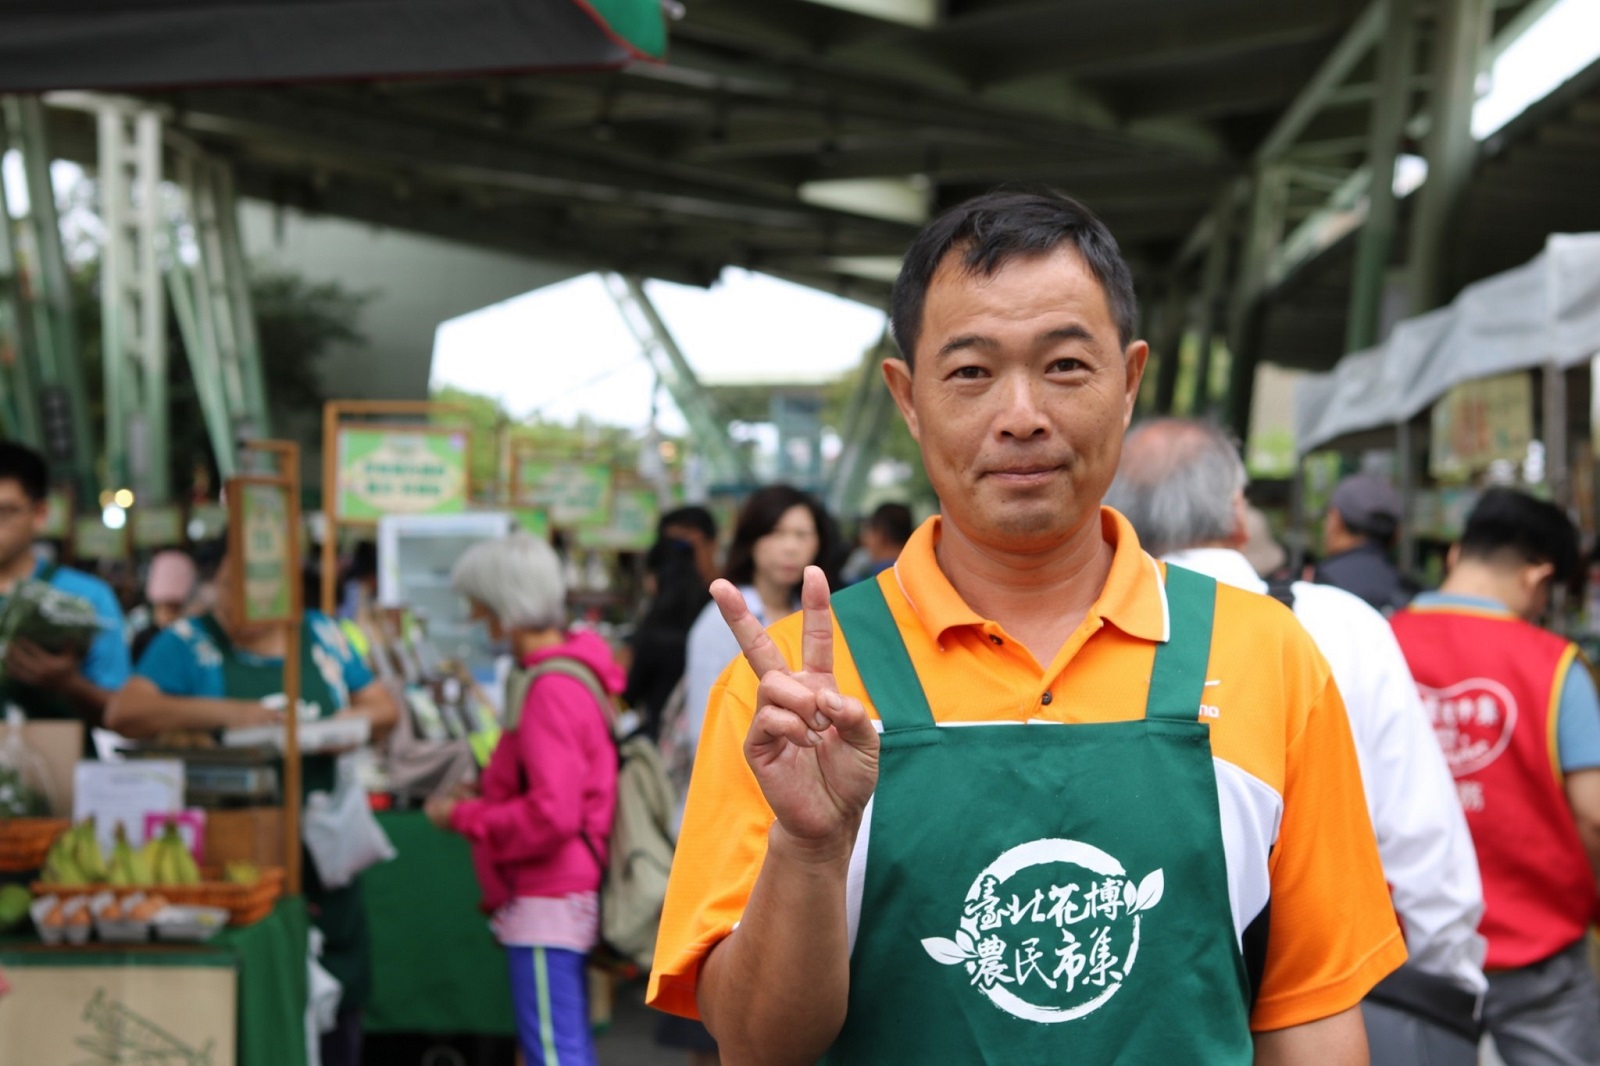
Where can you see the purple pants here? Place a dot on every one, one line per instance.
(550, 994)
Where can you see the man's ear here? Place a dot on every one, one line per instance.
(1452, 557)
(897, 375)
(1134, 358)
(1535, 575)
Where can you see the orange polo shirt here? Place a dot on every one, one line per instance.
(1302, 862)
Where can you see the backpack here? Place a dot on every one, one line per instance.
(633, 883)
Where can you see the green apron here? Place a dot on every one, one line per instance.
(42, 704)
(338, 912)
(1044, 893)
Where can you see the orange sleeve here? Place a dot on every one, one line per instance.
(1332, 932)
(720, 847)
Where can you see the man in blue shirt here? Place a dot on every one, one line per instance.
(44, 683)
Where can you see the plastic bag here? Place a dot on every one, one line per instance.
(323, 993)
(340, 831)
(24, 779)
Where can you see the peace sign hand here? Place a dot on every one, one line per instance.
(814, 751)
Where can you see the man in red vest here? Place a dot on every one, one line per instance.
(1514, 708)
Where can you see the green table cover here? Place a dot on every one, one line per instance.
(270, 957)
(436, 967)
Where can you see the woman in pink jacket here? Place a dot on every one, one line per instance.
(539, 827)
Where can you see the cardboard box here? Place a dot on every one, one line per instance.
(248, 834)
(60, 745)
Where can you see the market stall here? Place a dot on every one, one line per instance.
(135, 924)
(1466, 389)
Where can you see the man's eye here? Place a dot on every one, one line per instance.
(1066, 366)
(968, 373)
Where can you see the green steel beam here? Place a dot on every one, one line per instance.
(132, 301)
(1375, 244)
(706, 427)
(55, 318)
(866, 418)
(1212, 286)
(1174, 324)
(1349, 52)
(1461, 37)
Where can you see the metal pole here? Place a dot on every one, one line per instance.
(1390, 109)
(1459, 39)
(1211, 289)
(1557, 469)
(1406, 456)
(1174, 323)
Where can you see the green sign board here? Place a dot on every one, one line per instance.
(534, 522)
(207, 521)
(265, 543)
(416, 470)
(572, 493)
(156, 526)
(58, 518)
(632, 526)
(92, 540)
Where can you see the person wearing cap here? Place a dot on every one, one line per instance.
(168, 589)
(1363, 517)
(1515, 710)
(1181, 483)
(1114, 812)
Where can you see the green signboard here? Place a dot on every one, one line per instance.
(416, 470)
(207, 521)
(632, 526)
(264, 540)
(58, 518)
(156, 526)
(91, 539)
(571, 492)
(534, 522)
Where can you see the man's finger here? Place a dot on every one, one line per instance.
(850, 718)
(759, 651)
(816, 620)
(774, 724)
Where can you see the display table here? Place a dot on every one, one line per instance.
(436, 967)
(239, 998)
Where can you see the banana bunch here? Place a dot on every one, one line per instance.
(129, 867)
(75, 858)
(170, 861)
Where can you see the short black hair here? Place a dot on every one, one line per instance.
(690, 517)
(22, 464)
(1507, 522)
(892, 521)
(993, 229)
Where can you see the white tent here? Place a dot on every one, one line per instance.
(1545, 312)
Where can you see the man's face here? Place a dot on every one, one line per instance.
(1020, 398)
(705, 549)
(21, 520)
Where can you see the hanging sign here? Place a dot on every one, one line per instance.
(534, 522)
(1479, 422)
(571, 492)
(156, 526)
(632, 526)
(91, 539)
(261, 532)
(416, 470)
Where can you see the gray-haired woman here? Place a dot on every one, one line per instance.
(539, 828)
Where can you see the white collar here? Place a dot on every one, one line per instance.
(1224, 564)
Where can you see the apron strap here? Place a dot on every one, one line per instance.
(881, 657)
(1178, 680)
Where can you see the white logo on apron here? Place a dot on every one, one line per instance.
(1050, 929)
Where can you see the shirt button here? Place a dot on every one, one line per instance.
(996, 641)
(1046, 698)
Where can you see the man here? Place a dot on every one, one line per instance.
(1181, 483)
(70, 684)
(1363, 516)
(883, 534)
(1514, 709)
(1145, 885)
(696, 527)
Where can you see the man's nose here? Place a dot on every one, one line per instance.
(1022, 414)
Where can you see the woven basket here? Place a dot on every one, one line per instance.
(245, 904)
(24, 842)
